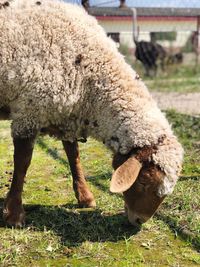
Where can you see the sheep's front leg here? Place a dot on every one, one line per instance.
(13, 210)
(83, 194)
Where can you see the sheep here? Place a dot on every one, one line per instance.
(60, 75)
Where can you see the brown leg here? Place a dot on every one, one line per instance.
(84, 196)
(13, 210)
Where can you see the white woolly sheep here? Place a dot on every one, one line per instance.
(61, 75)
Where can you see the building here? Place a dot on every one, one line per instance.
(171, 27)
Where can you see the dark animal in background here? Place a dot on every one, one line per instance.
(149, 53)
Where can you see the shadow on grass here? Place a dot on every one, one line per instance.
(189, 177)
(76, 226)
(98, 181)
(92, 179)
(184, 234)
(51, 152)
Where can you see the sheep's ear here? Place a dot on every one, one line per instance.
(125, 175)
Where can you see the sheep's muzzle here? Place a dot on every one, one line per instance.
(139, 179)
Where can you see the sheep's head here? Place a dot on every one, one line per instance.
(139, 181)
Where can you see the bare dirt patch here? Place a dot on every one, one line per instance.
(186, 103)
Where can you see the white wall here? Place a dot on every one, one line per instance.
(182, 27)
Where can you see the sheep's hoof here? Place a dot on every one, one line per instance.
(87, 204)
(13, 215)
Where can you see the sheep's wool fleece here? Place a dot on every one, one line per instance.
(58, 68)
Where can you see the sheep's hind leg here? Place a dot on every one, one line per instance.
(13, 212)
(83, 194)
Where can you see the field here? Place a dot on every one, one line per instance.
(57, 233)
(181, 79)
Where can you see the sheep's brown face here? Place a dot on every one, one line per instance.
(141, 199)
(140, 185)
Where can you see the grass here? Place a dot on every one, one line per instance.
(182, 79)
(183, 207)
(58, 233)
(176, 78)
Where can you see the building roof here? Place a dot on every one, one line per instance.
(144, 12)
